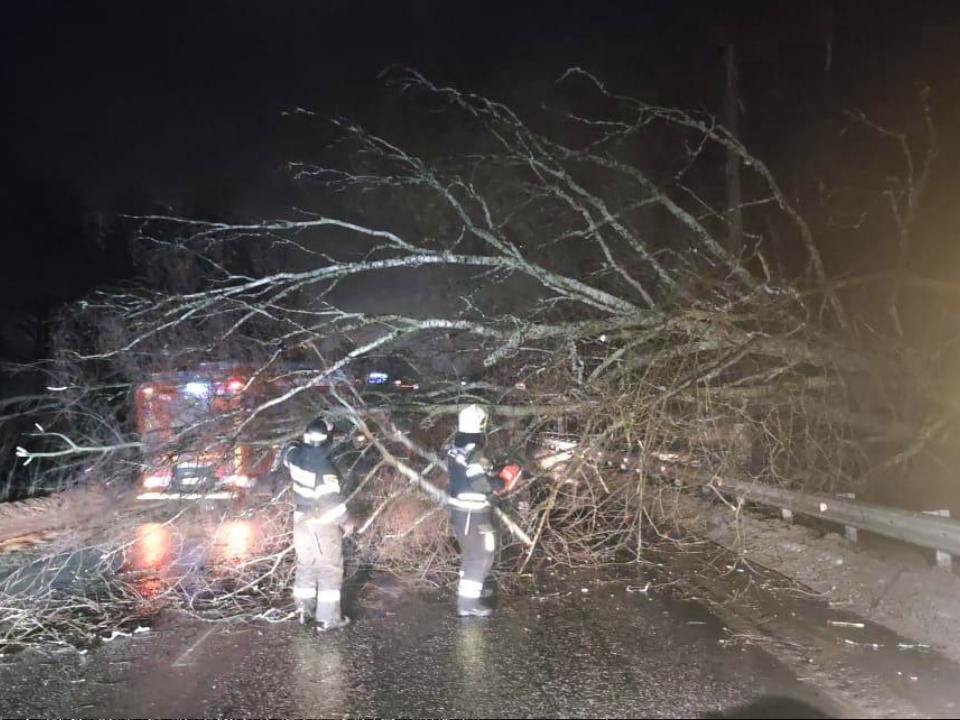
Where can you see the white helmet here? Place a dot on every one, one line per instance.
(473, 420)
(317, 432)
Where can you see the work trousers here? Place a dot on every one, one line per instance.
(319, 548)
(477, 537)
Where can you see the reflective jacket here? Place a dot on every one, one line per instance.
(471, 482)
(316, 482)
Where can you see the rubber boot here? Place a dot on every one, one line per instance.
(306, 612)
(472, 608)
(333, 624)
(332, 619)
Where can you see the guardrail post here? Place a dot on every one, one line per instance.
(851, 533)
(944, 559)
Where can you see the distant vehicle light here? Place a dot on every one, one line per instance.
(521, 386)
(235, 385)
(398, 383)
(377, 378)
(148, 391)
(197, 389)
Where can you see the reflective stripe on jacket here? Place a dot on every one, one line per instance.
(316, 483)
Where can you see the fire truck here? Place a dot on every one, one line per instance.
(190, 426)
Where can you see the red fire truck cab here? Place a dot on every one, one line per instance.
(190, 428)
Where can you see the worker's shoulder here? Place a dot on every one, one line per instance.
(308, 456)
(462, 454)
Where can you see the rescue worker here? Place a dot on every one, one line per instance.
(471, 513)
(320, 520)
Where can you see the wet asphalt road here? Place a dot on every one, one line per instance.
(604, 653)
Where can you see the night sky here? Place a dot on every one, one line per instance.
(112, 107)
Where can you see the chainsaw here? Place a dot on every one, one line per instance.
(509, 475)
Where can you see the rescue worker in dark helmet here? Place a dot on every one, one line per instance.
(472, 485)
(320, 520)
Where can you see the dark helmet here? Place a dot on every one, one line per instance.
(318, 431)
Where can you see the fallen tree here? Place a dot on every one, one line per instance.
(573, 276)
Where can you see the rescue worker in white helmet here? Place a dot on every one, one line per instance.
(320, 520)
(471, 487)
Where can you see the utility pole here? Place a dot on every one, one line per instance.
(732, 121)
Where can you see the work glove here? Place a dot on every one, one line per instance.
(279, 456)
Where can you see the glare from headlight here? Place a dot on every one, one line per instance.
(197, 389)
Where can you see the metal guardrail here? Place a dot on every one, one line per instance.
(928, 531)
